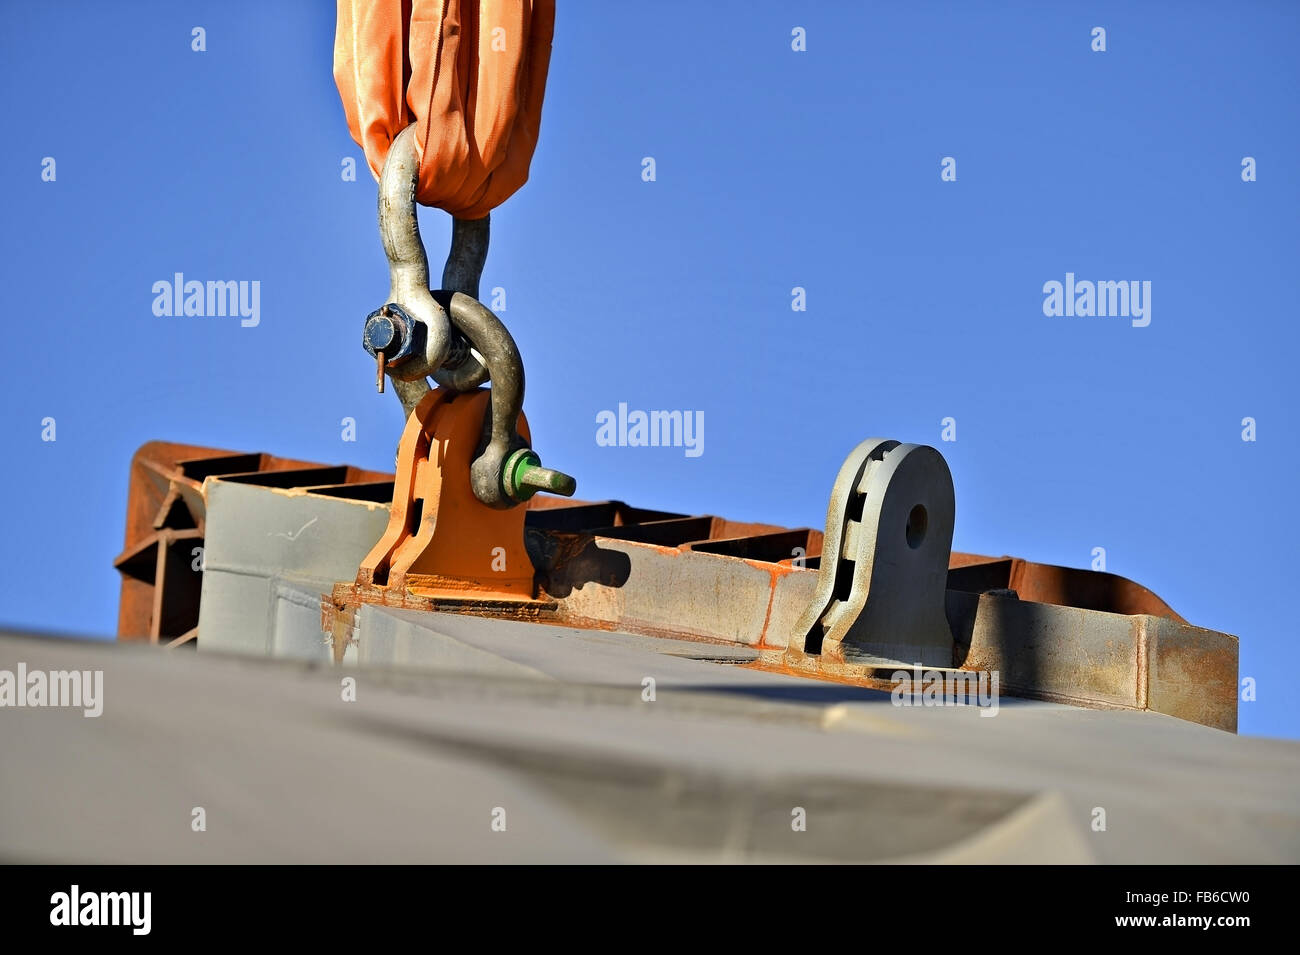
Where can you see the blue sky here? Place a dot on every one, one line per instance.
(774, 169)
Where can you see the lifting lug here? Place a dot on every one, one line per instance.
(880, 596)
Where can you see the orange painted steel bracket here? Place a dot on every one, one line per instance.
(443, 549)
(441, 539)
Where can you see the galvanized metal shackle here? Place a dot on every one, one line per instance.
(450, 335)
(408, 268)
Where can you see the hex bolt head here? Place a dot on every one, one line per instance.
(383, 333)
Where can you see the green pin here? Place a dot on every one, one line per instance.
(524, 476)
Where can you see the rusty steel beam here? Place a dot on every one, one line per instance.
(1055, 633)
(165, 499)
(165, 513)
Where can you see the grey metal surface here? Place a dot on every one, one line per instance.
(1099, 659)
(386, 636)
(268, 556)
(585, 769)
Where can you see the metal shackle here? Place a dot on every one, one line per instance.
(408, 265)
(450, 335)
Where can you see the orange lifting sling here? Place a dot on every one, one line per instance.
(470, 74)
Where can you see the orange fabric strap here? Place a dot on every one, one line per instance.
(470, 73)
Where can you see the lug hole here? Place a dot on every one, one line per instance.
(917, 521)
